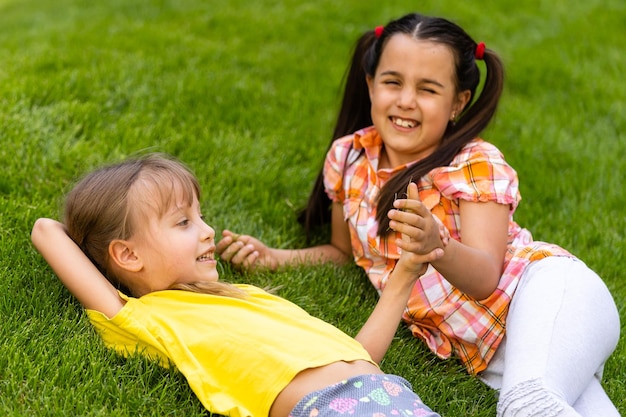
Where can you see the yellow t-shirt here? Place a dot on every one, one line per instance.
(237, 354)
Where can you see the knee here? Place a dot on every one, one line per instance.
(533, 399)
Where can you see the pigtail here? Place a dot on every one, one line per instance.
(481, 112)
(354, 114)
(355, 111)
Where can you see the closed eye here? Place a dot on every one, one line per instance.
(431, 86)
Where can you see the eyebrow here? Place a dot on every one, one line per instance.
(425, 80)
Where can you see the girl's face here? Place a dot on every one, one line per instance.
(413, 95)
(177, 247)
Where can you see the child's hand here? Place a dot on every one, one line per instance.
(244, 252)
(423, 236)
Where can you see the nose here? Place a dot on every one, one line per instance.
(407, 98)
(207, 232)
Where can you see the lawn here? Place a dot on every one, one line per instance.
(245, 93)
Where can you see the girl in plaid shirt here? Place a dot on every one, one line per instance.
(529, 318)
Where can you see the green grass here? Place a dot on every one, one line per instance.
(246, 93)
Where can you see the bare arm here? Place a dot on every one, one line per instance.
(378, 331)
(74, 269)
(474, 265)
(248, 252)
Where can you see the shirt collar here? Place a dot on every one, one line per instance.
(369, 140)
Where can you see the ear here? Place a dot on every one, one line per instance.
(462, 99)
(124, 256)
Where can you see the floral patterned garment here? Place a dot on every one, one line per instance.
(364, 395)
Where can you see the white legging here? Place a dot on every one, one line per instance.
(561, 327)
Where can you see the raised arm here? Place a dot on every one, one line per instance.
(379, 329)
(381, 326)
(74, 269)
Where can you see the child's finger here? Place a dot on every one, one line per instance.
(412, 192)
(412, 203)
(444, 234)
(242, 254)
(228, 233)
(223, 244)
(250, 261)
(227, 251)
(418, 251)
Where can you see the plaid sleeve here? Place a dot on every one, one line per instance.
(334, 167)
(479, 173)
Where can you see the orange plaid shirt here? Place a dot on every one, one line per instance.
(449, 321)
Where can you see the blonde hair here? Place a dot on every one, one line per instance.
(106, 205)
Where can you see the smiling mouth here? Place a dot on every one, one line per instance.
(403, 122)
(205, 257)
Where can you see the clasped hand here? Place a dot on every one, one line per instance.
(245, 252)
(424, 237)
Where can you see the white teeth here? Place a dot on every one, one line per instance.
(403, 123)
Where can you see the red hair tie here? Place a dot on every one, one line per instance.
(480, 51)
(379, 31)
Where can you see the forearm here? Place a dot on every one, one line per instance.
(471, 270)
(380, 328)
(313, 255)
(73, 268)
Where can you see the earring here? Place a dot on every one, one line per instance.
(453, 116)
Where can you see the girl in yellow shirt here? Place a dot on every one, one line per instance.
(136, 253)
